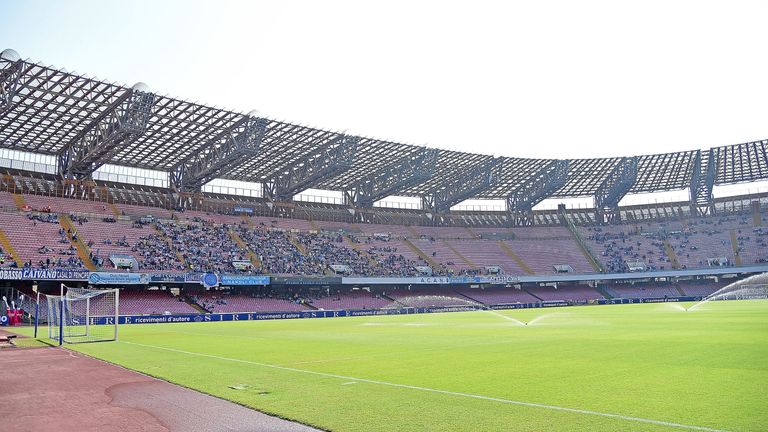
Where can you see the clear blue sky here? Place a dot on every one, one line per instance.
(534, 79)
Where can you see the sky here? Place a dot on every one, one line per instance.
(549, 79)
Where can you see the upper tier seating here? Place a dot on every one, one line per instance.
(39, 241)
(107, 238)
(205, 248)
(204, 243)
(542, 255)
(486, 253)
(6, 201)
(67, 205)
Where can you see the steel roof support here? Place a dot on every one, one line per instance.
(702, 183)
(406, 172)
(546, 181)
(10, 76)
(618, 183)
(116, 127)
(463, 187)
(327, 161)
(219, 155)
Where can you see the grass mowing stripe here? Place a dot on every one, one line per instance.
(438, 391)
(359, 357)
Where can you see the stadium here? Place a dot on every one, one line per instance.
(171, 265)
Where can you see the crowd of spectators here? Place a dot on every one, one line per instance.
(201, 246)
(622, 247)
(204, 247)
(154, 253)
(276, 252)
(46, 217)
(218, 301)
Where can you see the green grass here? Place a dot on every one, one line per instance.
(706, 368)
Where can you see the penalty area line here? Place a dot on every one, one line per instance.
(438, 391)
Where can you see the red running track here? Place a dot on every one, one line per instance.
(57, 389)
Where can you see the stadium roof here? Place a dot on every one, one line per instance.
(47, 110)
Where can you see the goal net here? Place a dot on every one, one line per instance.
(83, 315)
(752, 288)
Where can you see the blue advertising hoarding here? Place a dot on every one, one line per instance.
(239, 280)
(260, 316)
(106, 278)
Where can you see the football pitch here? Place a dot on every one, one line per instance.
(647, 367)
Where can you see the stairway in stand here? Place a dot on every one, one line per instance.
(671, 254)
(8, 249)
(242, 245)
(735, 247)
(359, 247)
(83, 251)
(314, 226)
(115, 210)
(176, 252)
(458, 254)
(593, 261)
(300, 247)
(519, 261)
(413, 231)
(434, 264)
(19, 200)
(474, 234)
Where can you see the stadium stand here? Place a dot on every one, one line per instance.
(258, 301)
(204, 247)
(542, 256)
(65, 205)
(105, 239)
(39, 241)
(578, 293)
(356, 299)
(200, 241)
(645, 291)
(188, 225)
(136, 302)
(493, 295)
(700, 288)
(487, 253)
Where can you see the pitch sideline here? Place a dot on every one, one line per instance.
(438, 391)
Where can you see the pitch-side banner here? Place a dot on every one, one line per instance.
(232, 280)
(432, 280)
(32, 273)
(159, 319)
(105, 278)
(426, 280)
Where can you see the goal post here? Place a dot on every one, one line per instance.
(752, 288)
(83, 315)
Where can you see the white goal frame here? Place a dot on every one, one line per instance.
(82, 315)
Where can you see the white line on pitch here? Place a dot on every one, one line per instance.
(445, 392)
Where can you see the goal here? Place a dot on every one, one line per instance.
(83, 315)
(752, 288)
